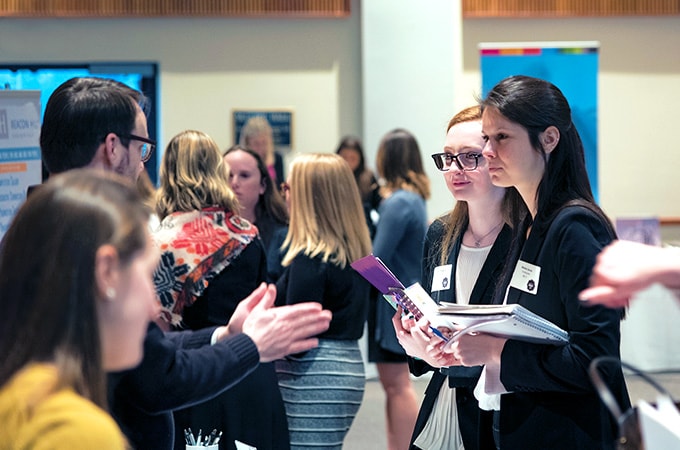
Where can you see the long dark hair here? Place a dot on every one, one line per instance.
(537, 104)
(400, 164)
(271, 203)
(47, 274)
(353, 143)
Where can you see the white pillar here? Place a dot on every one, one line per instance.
(411, 59)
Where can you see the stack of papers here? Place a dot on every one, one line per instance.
(510, 321)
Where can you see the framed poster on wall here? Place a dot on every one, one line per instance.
(281, 121)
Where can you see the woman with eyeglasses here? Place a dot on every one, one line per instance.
(463, 256)
(541, 394)
(323, 388)
(398, 242)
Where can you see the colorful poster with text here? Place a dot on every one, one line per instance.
(20, 162)
(571, 66)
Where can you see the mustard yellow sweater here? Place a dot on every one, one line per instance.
(36, 416)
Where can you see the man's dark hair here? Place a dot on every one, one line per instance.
(79, 115)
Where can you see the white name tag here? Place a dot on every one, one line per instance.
(441, 278)
(525, 278)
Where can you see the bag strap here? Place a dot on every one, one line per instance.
(606, 394)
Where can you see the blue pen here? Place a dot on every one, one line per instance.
(407, 305)
(439, 334)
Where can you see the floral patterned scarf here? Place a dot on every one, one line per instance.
(195, 247)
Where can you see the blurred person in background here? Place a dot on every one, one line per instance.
(398, 242)
(351, 150)
(257, 134)
(260, 203)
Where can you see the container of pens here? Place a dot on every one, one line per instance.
(209, 441)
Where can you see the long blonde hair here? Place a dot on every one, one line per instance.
(326, 215)
(255, 126)
(193, 176)
(456, 221)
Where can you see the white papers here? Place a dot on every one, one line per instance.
(511, 321)
(660, 425)
(427, 307)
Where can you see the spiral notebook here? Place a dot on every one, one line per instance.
(512, 321)
(413, 299)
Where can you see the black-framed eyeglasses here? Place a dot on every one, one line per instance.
(147, 148)
(464, 161)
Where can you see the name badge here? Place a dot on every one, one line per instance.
(525, 277)
(441, 278)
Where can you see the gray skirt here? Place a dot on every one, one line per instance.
(322, 391)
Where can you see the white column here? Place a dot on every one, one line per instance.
(411, 59)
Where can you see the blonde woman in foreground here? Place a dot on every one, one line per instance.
(322, 388)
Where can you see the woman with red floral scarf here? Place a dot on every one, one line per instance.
(210, 259)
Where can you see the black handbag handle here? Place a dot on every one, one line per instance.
(606, 394)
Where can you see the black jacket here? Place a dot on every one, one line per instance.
(475, 424)
(552, 402)
(179, 369)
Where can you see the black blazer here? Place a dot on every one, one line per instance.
(475, 424)
(178, 369)
(552, 402)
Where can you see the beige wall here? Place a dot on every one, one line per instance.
(208, 66)
(639, 97)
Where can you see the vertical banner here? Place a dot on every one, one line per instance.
(571, 66)
(20, 163)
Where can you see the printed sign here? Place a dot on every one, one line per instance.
(20, 162)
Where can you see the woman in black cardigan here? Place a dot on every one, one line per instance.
(463, 257)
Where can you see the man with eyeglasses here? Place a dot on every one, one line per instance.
(100, 123)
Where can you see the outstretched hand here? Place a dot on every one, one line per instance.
(246, 306)
(280, 331)
(623, 268)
